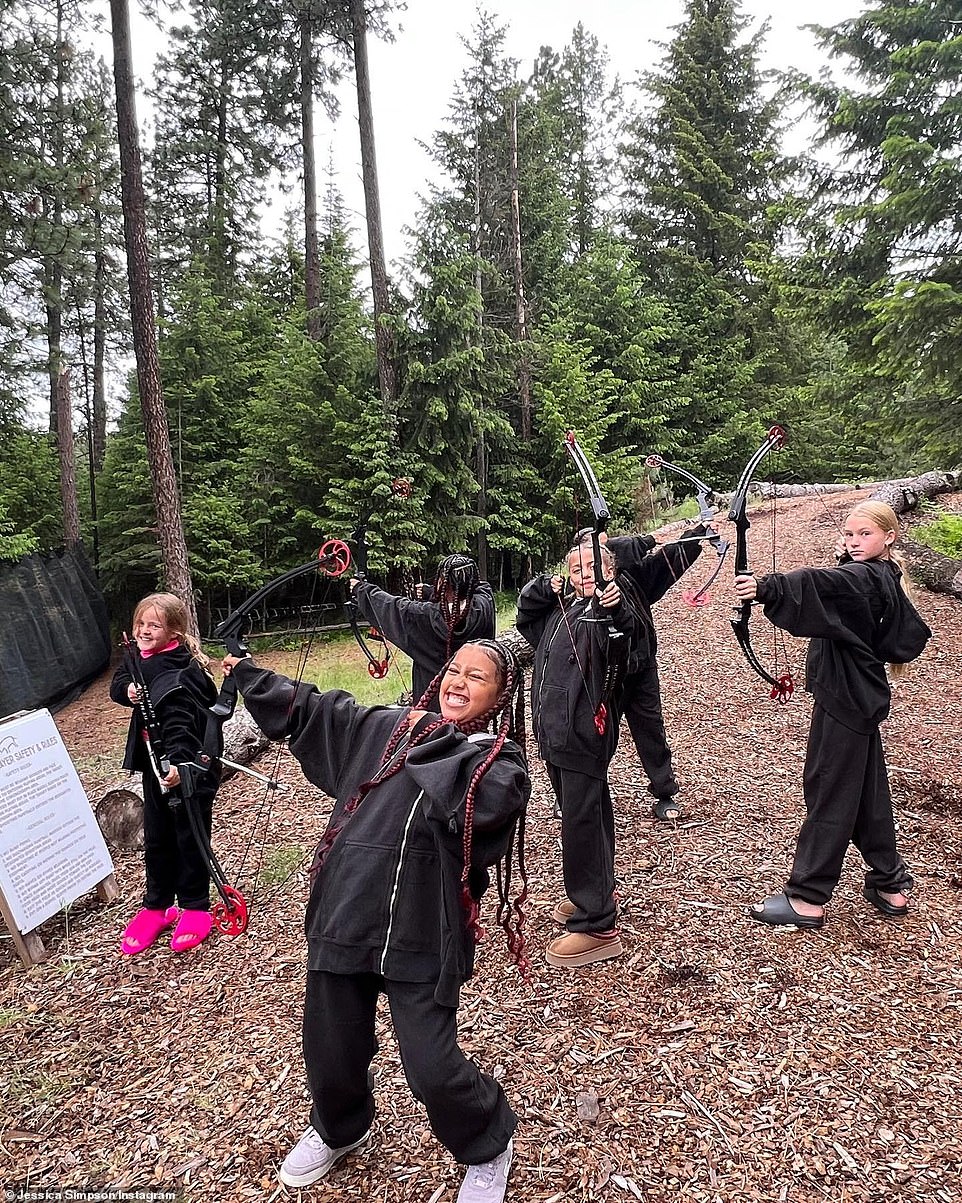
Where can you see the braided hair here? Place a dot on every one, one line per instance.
(456, 583)
(505, 720)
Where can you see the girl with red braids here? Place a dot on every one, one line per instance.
(425, 802)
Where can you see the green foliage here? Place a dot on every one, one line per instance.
(882, 233)
(129, 550)
(29, 488)
(13, 544)
(704, 176)
(943, 535)
(225, 103)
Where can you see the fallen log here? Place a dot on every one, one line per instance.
(930, 568)
(120, 814)
(905, 495)
(515, 642)
(243, 740)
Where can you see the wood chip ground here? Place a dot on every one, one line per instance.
(716, 1062)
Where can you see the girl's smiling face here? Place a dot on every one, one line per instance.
(470, 685)
(151, 631)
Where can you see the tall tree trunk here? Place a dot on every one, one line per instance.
(384, 340)
(53, 288)
(520, 309)
(481, 458)
(68, 473)
(53, 264)
(98, 416)
(170, 528)
(221, 252)
(312, 260)
(89, 423)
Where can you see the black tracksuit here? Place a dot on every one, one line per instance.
(181, 691)
(858, 618)
(419, 630)
(385, 910)
(578, 665)
(651, 574)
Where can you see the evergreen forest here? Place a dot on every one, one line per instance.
(636, 260)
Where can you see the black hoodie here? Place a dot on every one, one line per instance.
(419, 630)
(387, 899)
(858, 618)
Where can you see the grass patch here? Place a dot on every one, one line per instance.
(34, 1086)
(943, 535)
(279, 865)
(336, 662)
(685, 511)
(9, 1017)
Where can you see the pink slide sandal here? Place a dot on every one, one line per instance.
(193, 929)
(144, 928)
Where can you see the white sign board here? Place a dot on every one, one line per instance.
(51, 849)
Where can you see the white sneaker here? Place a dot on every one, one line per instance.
(311, 1158)
(487, 1182)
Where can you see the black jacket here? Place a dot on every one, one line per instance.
(651, 574)
(577, 665)
(387, 899)
(858, 619)
(181, 691)
(419, 630)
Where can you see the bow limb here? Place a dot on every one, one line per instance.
(705, 496)
(602, 515)
(783, 686)
(599, 507)
(377, 666)
(333, 559)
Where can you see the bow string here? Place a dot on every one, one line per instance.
(783, 685)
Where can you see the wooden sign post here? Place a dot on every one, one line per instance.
(51, 849)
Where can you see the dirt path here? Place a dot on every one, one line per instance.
(730, 1063)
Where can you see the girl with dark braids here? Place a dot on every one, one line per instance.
(426, 801)
(458, 609)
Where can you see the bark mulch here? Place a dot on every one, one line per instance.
(717, 1061)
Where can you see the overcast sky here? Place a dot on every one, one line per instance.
(413, 78)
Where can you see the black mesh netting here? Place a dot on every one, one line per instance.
(54, 635)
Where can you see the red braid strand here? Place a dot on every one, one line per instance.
(335, 827)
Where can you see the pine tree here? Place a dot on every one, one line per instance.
(703, 176)
(227, 99)
(884, 262)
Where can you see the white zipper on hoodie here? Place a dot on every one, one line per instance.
(397, 877)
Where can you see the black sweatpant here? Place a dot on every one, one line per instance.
(467, 1110)
(176, 869)
(847, 800)
(587, 847)
(641, 701)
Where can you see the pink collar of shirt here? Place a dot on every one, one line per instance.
(160, 651)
